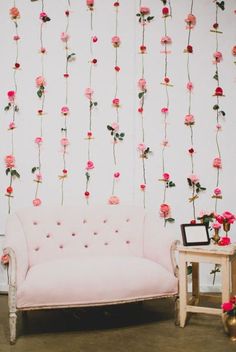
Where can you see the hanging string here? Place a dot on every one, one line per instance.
(144, 18)
(12, 105)
(40, 83)
(166, 41)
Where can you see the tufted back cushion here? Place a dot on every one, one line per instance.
(66, 232)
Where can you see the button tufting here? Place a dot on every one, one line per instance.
(61, 246)
(73, 234)
(127, 220)
(106, 244)
(86, 246)
(105, 221)
(95, 233)
(35, 223)
(48, 235)
(128, 242)
(116, 231)
(58, 223)
(84, 221)
(36, 249)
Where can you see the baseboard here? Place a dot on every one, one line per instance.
(3, 288)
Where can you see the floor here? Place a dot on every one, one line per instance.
(145, 327)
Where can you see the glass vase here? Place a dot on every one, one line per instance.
(226, 227)
(230, 323)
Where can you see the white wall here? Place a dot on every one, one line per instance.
(129, 165)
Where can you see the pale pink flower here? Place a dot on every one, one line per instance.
(12, 125)
(218, 126)
(64, 142)
(216, 225)
(217, 163)
(165, 143)
(9, 161)
(65, 110)
(229, 217)
(88, 93)
(194, 178)
(190, 86)
(217, 191)
(142, 84)
(234, 50)
(116, 175)
(164, 110)
(42, 15)
(90, 2)
(115, 126)
(65, 37)
(116, 102)
(16, 37)
(113, 200)
(166, 40)
(144, 10)
(37, 202)
(40, 81)
(38, 140)
(142, 147)
(116, 41)
(39, 177)
(14, 13)
(164, 210)
(218, 57)
(166, 176)
(189, 120)
(90, 165)
(191, 21)
(11, 95)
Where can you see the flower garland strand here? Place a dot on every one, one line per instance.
(144, 18)
(11, 95)
(165, 210)
(40, 83)
(114, 127)
(89, 93)
(189, 119)
(217, 58)
(65, 111)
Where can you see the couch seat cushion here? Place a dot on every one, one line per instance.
(94, 280)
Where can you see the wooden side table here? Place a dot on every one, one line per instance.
(223, 255)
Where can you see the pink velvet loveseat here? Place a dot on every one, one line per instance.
(87, 256)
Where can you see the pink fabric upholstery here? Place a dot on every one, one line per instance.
(87, 255)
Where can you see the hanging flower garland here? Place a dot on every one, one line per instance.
(13, 107)
(89, 94)
(189, 119)
(144, 18)
(165, 209)
(114, 127)
(65, 111)
(219, 93)
(40, 83)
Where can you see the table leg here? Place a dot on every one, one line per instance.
(195, 282)
(225, 272)
(233, 276)
(182, 290)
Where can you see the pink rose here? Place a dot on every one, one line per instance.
(165, 143)
(12, 125)
(229, 217)
(40, 81)
(218, 57)
(143, 187)
(10, 161)
(164, 110)
(116, 102)
(65, 37)
(37, 202)
(217, 163)
(5, 258)
(193, 178)
(113, 200)
(217, 191)
(190, 86)
(88, 93)
(224, 241)
(64, 142)
(142, 84)
(144, 10)
(11, 95)
(234, 50)
(116, 41)
(166, 176)
(218, 126)
(39, 177)
(42, 15)
(191, 20)
(142, 147)
(115, 126)
(189, 120)
(227, 306)
(90, 165)
(166, 40)
(116, 174)
(65, 110)
(164, 210)
(16, 37)
(90, 2)
(219, 218)
(216, 225)
(38, 140)
(14, 13)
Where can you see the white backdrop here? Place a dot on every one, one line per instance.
(129, 164)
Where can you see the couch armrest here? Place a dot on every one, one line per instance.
(16, 247)
(173, 251)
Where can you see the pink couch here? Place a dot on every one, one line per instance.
(87, 256)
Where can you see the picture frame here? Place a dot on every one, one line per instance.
(195, 234)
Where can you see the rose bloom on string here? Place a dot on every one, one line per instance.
(116, 102)
(14, 13)
(142, 84)
(143, 187)
(218, 57)
(90, 165)
(142, 147)
(144, 10)
(5, 258)
(11, 94)
(218, 92)
(40, 81)
(217, 193)
(9, 161)
(113, 200)
(116, 175)
(16, 37)
(44, 17)
(12, 125)
(116, 41)
(115, 126)
(164, 210)
(90, 4)
(217, 163)
(38, 177)
(143, 49)
(164, 110)
(64, 142)
(191, 21)
(189, 86)
(189, 120)
(165, 11)
(166, 40)
(65, 37)
(233, 51)
(88, 93)
(65, 110)
(38, 140)
(37, 202)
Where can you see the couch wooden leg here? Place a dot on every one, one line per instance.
(177, 316)
(12, 323)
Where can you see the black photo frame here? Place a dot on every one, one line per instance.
(195, 234)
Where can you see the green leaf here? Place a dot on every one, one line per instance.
(95, 103)
(87, 176)
(138, 14)
(149, 18)
(216, 107)
(6, 108)
(222, 113)
(189, 182)
(90, 104)
(221, 5)
(34, 169)
(140, 95)
(117, 135)
(171, 184)
(202, 188)
(69, 57)
(17, 174)
(122, 134)
(170, 220)
(109, 128)
(39, 93)
(8, 170)
(16, 108)
(216, 76)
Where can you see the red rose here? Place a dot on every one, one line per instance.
(165, 11)
(9, 190)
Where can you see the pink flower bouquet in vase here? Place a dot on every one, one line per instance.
(226, 219)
